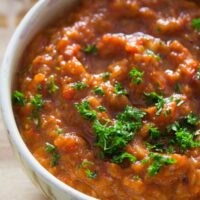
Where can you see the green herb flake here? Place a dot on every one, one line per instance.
(179, 102)
(19, 98)
(91, 49)
(112, 139)
(52, 87)
(59, 131)
(198, 73)
(177, 88)
(167, 112)
(159, 161)
(159, 101)
(37, 103)
(90, 174)
(136, 76)
(118, 159)
(131, 113)
(196, 24)
(184, 138)
(136, 178)
(192, 119)
(79, 86)
(55, 159)
(49, 148)
(106, 75)
(151, 53)
(99, 91)
(119, 89)
(85, 110)
(101, 109)
(154, 132)
(86, 163)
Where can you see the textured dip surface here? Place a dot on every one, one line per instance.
(107, 99)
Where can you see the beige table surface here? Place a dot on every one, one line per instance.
(14, 184)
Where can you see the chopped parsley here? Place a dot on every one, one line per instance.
(154, 132)
(19, 98)
(196, 24)
(79, 86)
(118, 159)
(151, 53)
(91, 49)
(177, 88)
(52, 87)
(37, 103)
(49, 148)
(101, 108)
(55, 159)
(119, 89)
(159, 161)
(192, 119)
(99, 91)
(136, 178)
(90, 174)
(184, 138)
(159, 101)
(106, 75)
(59, 131)
(167, 112)
(131, 113)
(136, 76)
(113, 138)
(85, 110)
(86, 163)
(198, 73)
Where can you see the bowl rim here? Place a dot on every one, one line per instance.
(8, 115)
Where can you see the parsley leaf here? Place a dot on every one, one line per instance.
(119, 90)
(19, 98)
(55, 159)
(99, 91)
(85, 111)
(86, 162)
(49, 148)
(192, 119)
(91, 49)
(112, 139)
(159, 101)
(106, 75)
(184, 138)
(52, 87)
(101, 108)
(131, 113)
(79, 86)
(196, 24)
(154, 132)
(158, 162)
(91, 174)
(136, 76)
(118, 159)
(177, 88)
(37, 103)
(151, 53)
(198, 73)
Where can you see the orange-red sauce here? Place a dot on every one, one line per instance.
(97, 45)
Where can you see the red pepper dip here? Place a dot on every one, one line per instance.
(107, 99)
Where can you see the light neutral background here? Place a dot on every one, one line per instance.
(14, 184)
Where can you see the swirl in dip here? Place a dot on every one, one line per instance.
(107, 99)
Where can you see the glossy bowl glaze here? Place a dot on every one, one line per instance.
(38, 17)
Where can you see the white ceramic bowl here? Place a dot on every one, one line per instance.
(37, 18)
